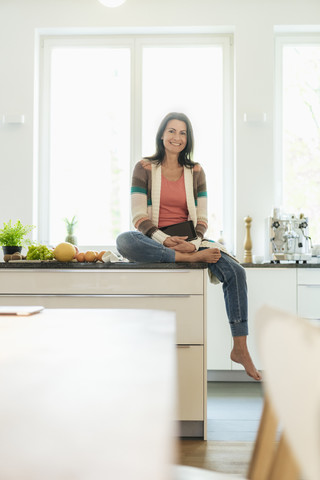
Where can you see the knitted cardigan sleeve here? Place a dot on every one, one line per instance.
(200, 195)
(141, 203)
(140, 198)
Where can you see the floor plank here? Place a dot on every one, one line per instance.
(234, 411)
(225, 457)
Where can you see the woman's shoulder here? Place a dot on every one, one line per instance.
(144, 164)
(197, 168)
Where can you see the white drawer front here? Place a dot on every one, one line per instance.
(190, 383)
(309, 301)
(188, 308)
(102, 282)
(309, 276)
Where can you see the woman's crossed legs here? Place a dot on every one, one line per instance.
(137, 247)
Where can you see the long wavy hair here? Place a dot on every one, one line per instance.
(185, 157)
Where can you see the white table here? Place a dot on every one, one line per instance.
(87, 395)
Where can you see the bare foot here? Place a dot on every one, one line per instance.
(240, 354)
(208, 255)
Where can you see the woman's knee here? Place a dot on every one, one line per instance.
(124, 242)
(240, 272)
(234, 269)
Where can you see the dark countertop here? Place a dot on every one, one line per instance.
(281, 265)
(54, 265)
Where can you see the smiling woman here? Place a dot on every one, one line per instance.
(151, 191)
(175, 136)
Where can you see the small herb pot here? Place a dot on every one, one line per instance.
(9, 249)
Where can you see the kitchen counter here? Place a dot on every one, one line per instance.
(47, 265)
(54, 265)
(177, 287)
(281, 265)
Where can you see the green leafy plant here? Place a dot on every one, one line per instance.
(70, 224)
(14, 235)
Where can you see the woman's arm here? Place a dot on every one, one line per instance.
(141, 202)
(202, 206)
(200, 195)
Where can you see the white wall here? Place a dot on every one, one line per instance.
(253, 23)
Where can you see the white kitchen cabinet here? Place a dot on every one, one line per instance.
(272, 286)
(187, 308)
(218, 330)
(182, 290)
(309, 293)
(190, 368)
(275, 287)
(103, 281)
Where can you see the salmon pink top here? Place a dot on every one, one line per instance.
(173, 202)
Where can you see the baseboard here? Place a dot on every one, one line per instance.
(228, 376)
(190, 428)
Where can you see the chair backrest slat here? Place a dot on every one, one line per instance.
(264, 448)
(284, 465)
(289, 348)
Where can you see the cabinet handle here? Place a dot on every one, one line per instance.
(309, 286)
(183, 346)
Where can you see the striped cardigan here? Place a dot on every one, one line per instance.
(145, 199)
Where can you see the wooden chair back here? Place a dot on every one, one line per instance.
(289, 348)
(271, 459)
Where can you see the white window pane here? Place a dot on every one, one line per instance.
(89, 142)
(189, 79)
(301, 133)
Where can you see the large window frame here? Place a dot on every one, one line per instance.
(281, 40)
(135, 42)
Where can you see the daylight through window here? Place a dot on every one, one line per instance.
(301, 132)
(101, 104)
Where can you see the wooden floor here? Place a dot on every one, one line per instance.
(234, 411)
(225, 457)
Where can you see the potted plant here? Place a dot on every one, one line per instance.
(70, 224)
(12, 237)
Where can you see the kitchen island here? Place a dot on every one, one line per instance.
(178, 287)
(66, 408)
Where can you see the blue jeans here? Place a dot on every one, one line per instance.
(137, 247)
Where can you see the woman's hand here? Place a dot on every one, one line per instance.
(185, 247)
(179, 244)
(171, 242)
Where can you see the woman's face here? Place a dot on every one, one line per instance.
(175, 136)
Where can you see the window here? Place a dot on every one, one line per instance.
(101, 103)
(299, 91)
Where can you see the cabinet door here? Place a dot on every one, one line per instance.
(188, 308)
(218, 330)
(308, 276)
(309, 301)
(102, 282)
(275, 287)
(309, 293)
(190, 383)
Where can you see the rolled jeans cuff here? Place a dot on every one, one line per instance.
(239, 329)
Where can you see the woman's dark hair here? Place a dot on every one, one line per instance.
(185, 157)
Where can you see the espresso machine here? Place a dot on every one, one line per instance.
(288, 237)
